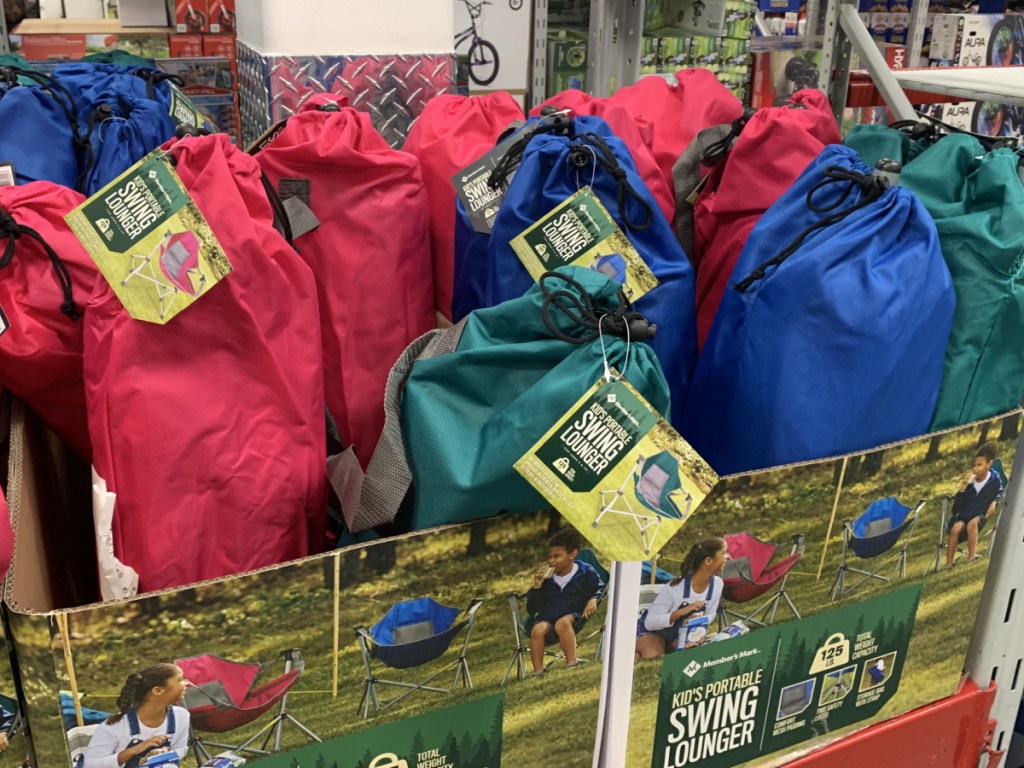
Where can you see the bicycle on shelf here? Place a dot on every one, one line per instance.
(483, 56)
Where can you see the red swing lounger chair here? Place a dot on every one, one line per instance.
(748, 576)
(224, 695)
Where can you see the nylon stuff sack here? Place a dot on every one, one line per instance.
(465, 403)
(554, 167)
(635, 132)
(118, 131)
(93, 79)
(470, 268)
(679, 110)
(370, 253)
(830, 338)
(977, 201)
(451, 133)
(210, 429)
(770, 150)
(38, 128)
(45, 279)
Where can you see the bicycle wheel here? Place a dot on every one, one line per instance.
(483, 62)
(515, 5)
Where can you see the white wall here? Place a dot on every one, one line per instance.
(346, 27)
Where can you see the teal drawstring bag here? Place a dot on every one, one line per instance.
(977, 201)
(465, 403)
(874, 142)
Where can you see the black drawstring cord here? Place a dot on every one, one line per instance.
(577, 305)
(871, 188)
(580, 154)
(558, 123)
(154, 79)
(12, 230)
(87, 154)
(718, 149)
(280, 214)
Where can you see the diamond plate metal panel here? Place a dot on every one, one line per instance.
(253, 93)
(393, 89)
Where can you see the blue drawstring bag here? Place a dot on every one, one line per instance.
(830, 344)
(119, 132)
(555, 166)
(36, 112)
(91, 81)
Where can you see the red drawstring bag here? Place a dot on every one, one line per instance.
(679, 111)
(370, 254)
(772, 150)
(45, 279)
(450, 134)
(637, 133)
(210, 429)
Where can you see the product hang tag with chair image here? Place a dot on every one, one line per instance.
(580, 231)
(7, 176)
(473, 188)
(618, 471)
(150, 241)
(183, 112)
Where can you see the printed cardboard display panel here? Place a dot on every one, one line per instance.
(314, 606)
(885, 512)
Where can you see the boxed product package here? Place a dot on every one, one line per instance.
(222, 17)
(186, 46)
(222, 111)
(974, 40)
(190, 16)
(50, 9)
(207, 76)
(702, 17)
(899, 20)
(84, 9)
(68, 39)
(142, 13)
(567, 64)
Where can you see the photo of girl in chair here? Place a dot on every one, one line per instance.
(149, 721)
(694, 595)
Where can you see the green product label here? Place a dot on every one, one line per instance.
(150, 241)
(593, 439)
(183, 111)
(581, 231)
(722, 704)
(464, 736)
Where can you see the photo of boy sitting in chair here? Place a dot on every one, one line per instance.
(974, 503)
(564, 594)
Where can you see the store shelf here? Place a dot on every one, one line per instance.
(1004, 85)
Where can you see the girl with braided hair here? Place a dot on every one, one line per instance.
(696, 592)
(148, 722)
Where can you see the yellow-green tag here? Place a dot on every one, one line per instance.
(150, 241)
(580, 231)
(618, 472)
(183, 111)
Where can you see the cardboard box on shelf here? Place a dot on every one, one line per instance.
(567, 64)
(974, 40)
(69, 39)
(84, 9)
(222, 111)
(222, 17)
(568, 12)
(223, 47)
(186, 46)
(190, 16)
(142, 13)
(207, 76)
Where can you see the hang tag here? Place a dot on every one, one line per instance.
(691, 199)
(480, 200)
(150, 241)
(4, 322)
(580, 231)
(619, 472)
(263, 141)
(7, 176)
(183, 111)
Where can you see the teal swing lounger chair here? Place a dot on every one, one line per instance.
(658, 490)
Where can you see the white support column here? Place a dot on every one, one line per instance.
(616, 35)
(996, 652)
(617, 675)
(5, 44)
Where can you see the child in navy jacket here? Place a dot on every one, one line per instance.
(564, 593)
(974, 503)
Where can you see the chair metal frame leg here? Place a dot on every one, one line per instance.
(518, 662)
(839, 588)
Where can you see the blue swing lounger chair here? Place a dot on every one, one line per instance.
(655, 483)
(613, 265)
(875, 533)
(413, 633)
